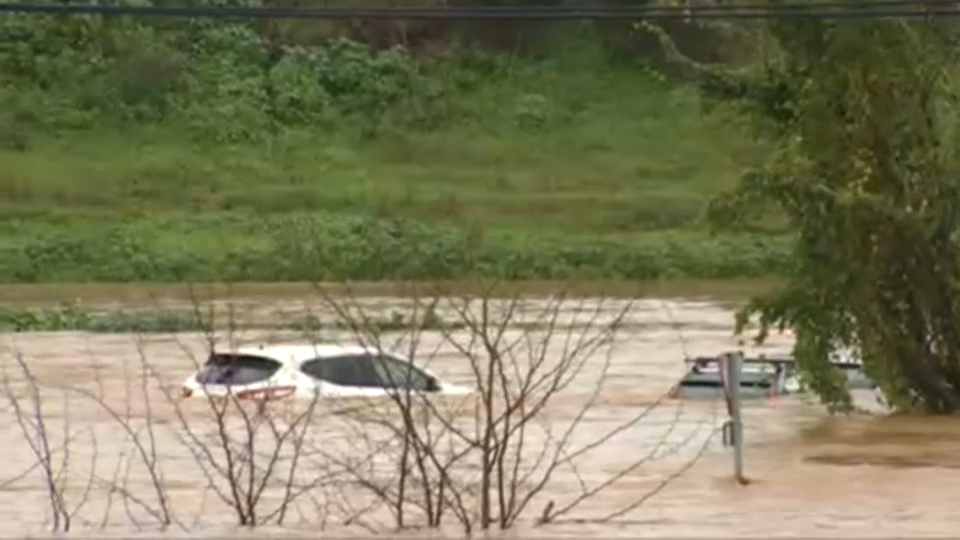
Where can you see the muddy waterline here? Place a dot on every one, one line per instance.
(811, 475)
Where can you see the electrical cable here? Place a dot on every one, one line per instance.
(796, 10)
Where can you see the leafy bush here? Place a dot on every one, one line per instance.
(73, 316)
(308, 247)
(222, 80)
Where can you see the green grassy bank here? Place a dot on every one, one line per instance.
(133, 153)
(147, 295)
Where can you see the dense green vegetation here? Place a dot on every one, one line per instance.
(865, 117)
(73, 316)
(76, 316)
(202, 150)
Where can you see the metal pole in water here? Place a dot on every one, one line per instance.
(734, 367)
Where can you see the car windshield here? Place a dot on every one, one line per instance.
(236, 369)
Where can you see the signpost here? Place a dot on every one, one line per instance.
(730, 371)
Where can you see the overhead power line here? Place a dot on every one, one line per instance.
(796, 10)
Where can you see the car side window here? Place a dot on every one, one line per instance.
(347, 370)
(339, 370)
(394, 373)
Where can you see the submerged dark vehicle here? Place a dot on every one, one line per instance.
(761, 376)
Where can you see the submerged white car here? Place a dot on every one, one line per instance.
(313, 371)
(763, 376)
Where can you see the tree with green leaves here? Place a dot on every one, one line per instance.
(863, 116)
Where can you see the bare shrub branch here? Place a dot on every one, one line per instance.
(31, 416)
(143, 437)
(419, 454)
(244, 449)
(522, 356)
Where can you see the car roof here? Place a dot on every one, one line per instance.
(297, 354)
(302, 353)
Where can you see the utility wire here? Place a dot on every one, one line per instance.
(797, 10)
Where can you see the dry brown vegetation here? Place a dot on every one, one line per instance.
(502, 457)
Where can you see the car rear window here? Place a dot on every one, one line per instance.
(236, 369)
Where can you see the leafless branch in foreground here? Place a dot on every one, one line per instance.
(491, 455)
(247, 448)
(31, 416)
(514, 450)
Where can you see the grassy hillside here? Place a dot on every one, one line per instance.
(135, 153)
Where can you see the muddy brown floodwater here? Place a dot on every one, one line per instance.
(811, 475)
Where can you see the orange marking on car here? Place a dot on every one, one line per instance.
(267, 394)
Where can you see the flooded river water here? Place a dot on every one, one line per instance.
(662, 463)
